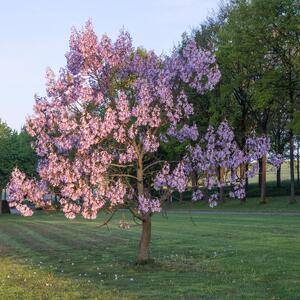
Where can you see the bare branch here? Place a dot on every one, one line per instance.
(121, 166)
(134, 213)
(108, 219)
(153, 164)
(122, 175)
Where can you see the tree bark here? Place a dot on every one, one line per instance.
(180, 197)
(144, 246)
(194, 179)
(242, 178)
(263, 179)
(1, 202)
(298, 179)
(291, 133)
(221, 180)
(292, 171)
(247, 179)
(259, 172)
(278, 177)
(140, 177)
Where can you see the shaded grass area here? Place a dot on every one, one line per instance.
(274, 204)
(206, 257)
(253, 189)
(272, 189)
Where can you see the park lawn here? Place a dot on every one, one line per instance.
(203, 257)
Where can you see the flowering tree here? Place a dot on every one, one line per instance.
(217, 160)
(102, 122)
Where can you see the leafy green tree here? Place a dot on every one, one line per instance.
(257, 46)
(8, 155)
(278, 22)
(27, 158)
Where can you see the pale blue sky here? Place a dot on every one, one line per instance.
(34, 34)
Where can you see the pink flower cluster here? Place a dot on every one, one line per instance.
(21, 191)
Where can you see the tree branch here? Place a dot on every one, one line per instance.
(107, 220)
(122, 175)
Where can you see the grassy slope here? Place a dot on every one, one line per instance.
(271, 173)
(209, 257)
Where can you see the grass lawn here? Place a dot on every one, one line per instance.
(206, 257)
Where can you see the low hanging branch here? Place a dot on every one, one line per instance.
(105, 223)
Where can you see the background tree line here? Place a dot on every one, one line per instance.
(257, 45)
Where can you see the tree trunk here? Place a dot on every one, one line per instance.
(278, 177)
(292, 171)
(298, 179)
(263, 179)
(144, 246)
(247, 179)
(291, 134)
(242, 179)
(259, 173)
(232, 174)
(221, 180)
(180, 197)
(1, 202)
(194, 179)
(140, 177)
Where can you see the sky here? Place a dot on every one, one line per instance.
(34, 35)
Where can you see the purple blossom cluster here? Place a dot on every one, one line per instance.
(194, 67)
(213, 200)
(276, 160)
(176, 180)
(218, 150)
(197, 195)
(147, 205)
(256, 147)
(185, 133)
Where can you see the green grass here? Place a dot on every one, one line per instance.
(203, 257)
